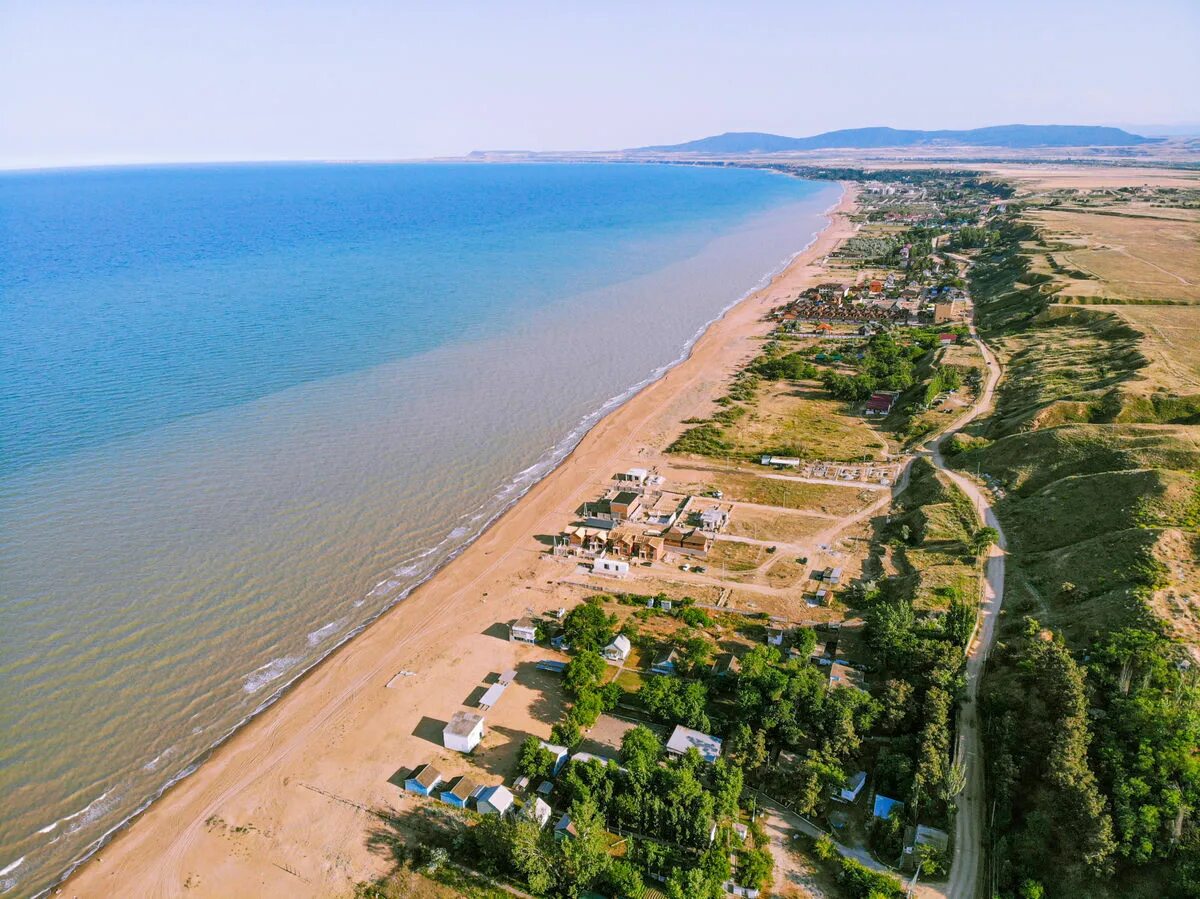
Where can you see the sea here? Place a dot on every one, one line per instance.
(246, 409)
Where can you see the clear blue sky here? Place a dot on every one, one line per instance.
(133, 80)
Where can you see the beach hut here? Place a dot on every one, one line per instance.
(524, 631)
(852, 787)
(560, 753)
(423, 780)
(464, 732)
(459, 791)
(610, 567)
(497, 800)
(537, 810)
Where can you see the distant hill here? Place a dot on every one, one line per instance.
(1010, 136)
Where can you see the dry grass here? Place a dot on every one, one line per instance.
(1124, 255)
(733, 557)
(786, 527)
(829, 499)
(1172, 342)
(792, 420)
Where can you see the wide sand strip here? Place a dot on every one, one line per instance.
(285, 807)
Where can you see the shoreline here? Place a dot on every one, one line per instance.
(235, 775)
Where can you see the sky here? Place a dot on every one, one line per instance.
(124, 81)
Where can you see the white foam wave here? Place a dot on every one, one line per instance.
(153, 764)
(324, 631)
(9, 869)
(273, 670)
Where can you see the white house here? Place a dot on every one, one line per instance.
(524, 630)
(464, 732)
(560, 753)
(497, 800)
(852, 787)
(610, 567)
(774, 636)
(538, 810)
(684, 738)
(618, 649)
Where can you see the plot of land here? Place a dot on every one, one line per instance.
(828, 499)
(787, 420)
(1172, 342)
(764, 524)
(730, 556)
(1125, 255)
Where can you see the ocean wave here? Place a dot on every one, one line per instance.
(324, 631)
(10, 868)
(152, 765)
(273, 670)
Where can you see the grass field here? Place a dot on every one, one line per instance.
(1171, 342)
(790, 420)
(830, 499)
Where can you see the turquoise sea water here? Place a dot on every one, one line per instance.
(244, 409)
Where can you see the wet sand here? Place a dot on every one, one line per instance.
(287, 805)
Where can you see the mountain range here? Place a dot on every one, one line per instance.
(1010, 136)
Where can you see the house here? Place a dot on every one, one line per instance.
(880, 403)
(523, 630)
(875, 287)
(852, 787)
(587, 540)
(780, 461)
(689, 540)
(775, 636)
(618, 649)
(492, 696)
(565, 828)
(833, 575)
(538, 811)
(665, 661)
(684, 738)
(649, 549)
(844, 676)
(460, 791)
(726, 665)
(497, 800)
(610, 567)
(884, 806)
(662, 508)
(947, 339)
(715, 519)
(919, 836)
(600, 515)
(464, 732)
(637, 476)
(583, 757)
(423, 780)
(560, 753)
(624, 505)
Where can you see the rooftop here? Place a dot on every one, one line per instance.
(684, 738)
(463, 723)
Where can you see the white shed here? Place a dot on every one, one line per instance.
(497, 800)
(618, 649)
(610, 567)
(464, 732)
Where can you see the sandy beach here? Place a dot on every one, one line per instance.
(287, 804)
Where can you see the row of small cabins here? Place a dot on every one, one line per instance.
(466, 730)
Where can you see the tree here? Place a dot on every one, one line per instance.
(534, 760)
(532, 852)
(584, 856)
(640, 751)
(586, 627)
(566, 733)
(583, 671)
(982, 540)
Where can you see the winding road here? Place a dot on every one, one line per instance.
(969, 827)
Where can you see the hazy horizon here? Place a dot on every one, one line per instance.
(133, 83)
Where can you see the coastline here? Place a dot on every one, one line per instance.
(300, 777)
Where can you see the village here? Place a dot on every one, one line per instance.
(792, 545)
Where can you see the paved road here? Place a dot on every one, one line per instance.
(965, 874)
